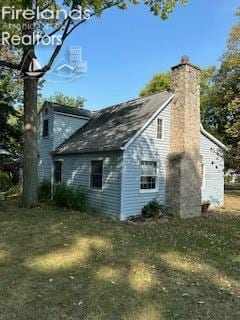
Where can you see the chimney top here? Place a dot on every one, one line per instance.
(185, 61)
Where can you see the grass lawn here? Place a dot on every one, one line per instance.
(65, 265)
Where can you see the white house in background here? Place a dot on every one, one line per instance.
(130, 153)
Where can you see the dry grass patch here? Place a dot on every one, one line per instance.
(62, 265)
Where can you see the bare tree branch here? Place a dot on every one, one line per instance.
(10, 65)
(56, 51)
(91, 15)
(66, 33)
(53, 32)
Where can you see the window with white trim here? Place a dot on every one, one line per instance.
(148, 175)
(96, 175)
(159, 128)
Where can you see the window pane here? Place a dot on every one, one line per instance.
(57, 171)
(148, 174)
(45, 128)
(96, 174)
(97, 167)
(96, 181)
(148, 182)
(148, 168)
(159, 128)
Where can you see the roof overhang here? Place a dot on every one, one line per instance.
(213, 139)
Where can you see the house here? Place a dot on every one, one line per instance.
(130, 153)
(232, 176)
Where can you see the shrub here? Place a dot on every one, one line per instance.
(12, 168)
(44, 189)
(68, 197)
(152, 209)
(5, 182)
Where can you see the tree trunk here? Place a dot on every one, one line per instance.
(30, 151)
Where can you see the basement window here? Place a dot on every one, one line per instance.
(57, 171)
(45, 128)
(148, 175)
(96, 175)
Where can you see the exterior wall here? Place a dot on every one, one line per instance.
(145, 147)
(76, 172)
(65, 126)
(61, 127)
(148, 147)
(213, 182)
(45, 145)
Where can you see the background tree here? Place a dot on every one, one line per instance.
(220, 96)
(160, 82)
(60, 98)
(63, 27)
(11, 116)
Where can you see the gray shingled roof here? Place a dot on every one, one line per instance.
(68, 110)
(111, 128)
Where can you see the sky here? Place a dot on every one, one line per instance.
(124, 49)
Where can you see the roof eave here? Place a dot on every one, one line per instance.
(54, 153)
(215, 140)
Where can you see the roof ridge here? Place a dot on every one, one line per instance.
(131, 100)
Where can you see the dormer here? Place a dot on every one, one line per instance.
(58, 122)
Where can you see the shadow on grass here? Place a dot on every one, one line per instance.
(66, 265)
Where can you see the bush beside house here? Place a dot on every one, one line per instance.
(68, 197)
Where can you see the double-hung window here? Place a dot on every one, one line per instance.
(57, 171)
(159, 128)
(148, 175)
(96, 175)
(45, 128)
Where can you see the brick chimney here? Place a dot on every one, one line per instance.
(184, 173)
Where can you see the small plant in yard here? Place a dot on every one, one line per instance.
(205, 206)
(5, 182)
(68, 197)
(153, 209)
(44, 190)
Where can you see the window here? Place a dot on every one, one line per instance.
(96, 175)
(46, 111)
(45, 128)
(148, 175)
(160, 129)
(57, 171)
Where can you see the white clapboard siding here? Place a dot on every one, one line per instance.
(76, 173)
(213, 182)
(145, 147)
(45, 145)
(64, 126)
(60, 126)
(148, 147)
